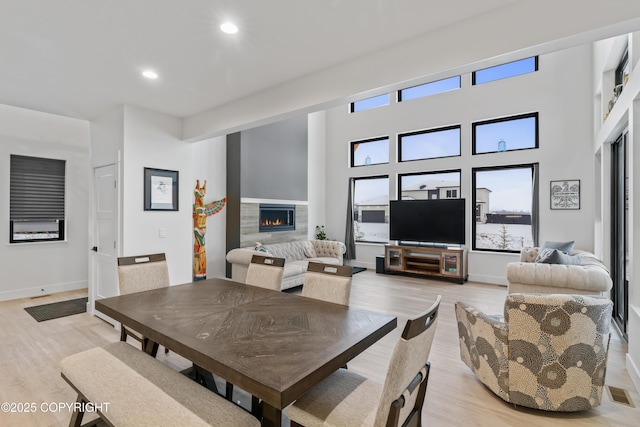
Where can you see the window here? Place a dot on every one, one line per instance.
(499, 72)
(370, 152)
(427, 89)
(37, 194)
(371, 209)
(505, 134)
(430, 185)
(429, 144)
(369, 103)
(503, 200)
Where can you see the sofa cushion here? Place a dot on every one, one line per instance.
(290, 251)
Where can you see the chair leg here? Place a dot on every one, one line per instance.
(256, 407)
(229, 392)
(205, 378)
(295, 424)
(76, 416)
(123, 333)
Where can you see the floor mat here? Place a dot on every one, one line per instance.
(57, 309)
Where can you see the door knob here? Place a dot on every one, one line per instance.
(94, 249)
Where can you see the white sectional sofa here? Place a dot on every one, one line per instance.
(581, 273)
(296, 254)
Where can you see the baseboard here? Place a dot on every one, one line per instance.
(42, 290)
(634, 372)
(494, 280)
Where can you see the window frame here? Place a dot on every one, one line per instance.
(474, 125)
(55, 183)
(352, 144)
(426, 131)
(535, 69)
(531, 166)
(362, 178)
(399, 92)
(402, 175)
(352, 105)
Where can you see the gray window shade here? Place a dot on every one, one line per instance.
(37, 188)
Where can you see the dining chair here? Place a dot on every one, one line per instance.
(137, 274)
(265, 272)
(328, 282)
(347, 398)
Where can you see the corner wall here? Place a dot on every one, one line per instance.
(559, 91)
(31, 269)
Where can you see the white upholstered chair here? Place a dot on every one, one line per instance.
(137, 274)
(327, 282)
(265, 272)
(349, 399)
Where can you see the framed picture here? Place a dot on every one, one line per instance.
(565, 194)
(160, 190)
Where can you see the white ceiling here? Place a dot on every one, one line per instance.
(78, 58)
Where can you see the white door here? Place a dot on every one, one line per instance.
(105, 278)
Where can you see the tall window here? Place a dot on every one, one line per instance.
(503, 71)
(369, 103)
(370, 152)
(429, 144)
(429, 185)
(37, 199)
(371, 209)
(427, 89)
(503, 200)
(505, 134)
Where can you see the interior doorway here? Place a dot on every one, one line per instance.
(105, 248)
(620, 231)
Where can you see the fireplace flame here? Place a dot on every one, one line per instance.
(267, 222)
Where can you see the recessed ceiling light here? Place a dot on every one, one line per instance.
(229, 28)
(150, 74)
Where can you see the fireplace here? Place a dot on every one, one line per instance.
(274, 217)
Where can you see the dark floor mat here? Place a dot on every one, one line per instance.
(58, 309)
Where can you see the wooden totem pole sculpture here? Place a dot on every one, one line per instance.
(200, 214)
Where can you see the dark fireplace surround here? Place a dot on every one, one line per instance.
(276, 217)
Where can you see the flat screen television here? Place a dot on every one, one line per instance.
(437, 221)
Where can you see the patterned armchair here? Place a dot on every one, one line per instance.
(549, 352)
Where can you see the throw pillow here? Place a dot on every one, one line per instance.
(555, 256)
(566, 247)
(258, 247)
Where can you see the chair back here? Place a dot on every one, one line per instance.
(328, 282)
(142, 273)
(557, 350)
(265, 272)
(406, 381)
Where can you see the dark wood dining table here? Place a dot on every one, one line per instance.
(274, 345)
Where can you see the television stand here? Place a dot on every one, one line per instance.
(448, 263)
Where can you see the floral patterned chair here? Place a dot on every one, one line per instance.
(549, 352)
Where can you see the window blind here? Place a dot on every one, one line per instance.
(37, 188)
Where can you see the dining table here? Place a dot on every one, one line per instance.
(274, 345)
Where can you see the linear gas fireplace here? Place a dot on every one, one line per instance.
(274, 217)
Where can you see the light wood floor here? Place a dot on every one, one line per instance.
(30, 351)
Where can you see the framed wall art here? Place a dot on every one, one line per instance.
(565, 195)
(160, 190)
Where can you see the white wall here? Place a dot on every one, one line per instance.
(512, 30)
(153, 140)
(31, 269)
(209, 163)
(559, 92)
(317, 171)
